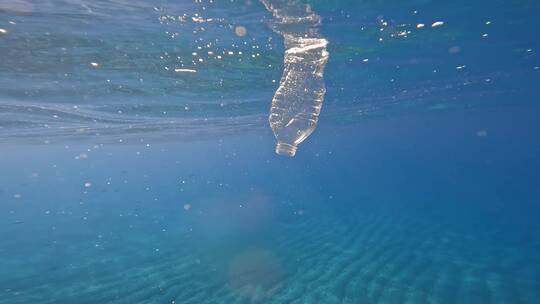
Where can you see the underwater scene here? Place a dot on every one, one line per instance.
(269, 151)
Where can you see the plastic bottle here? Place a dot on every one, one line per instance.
(298, 100)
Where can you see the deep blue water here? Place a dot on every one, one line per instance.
(125, 181)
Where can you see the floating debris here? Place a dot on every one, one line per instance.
(437, 23)
(3, 31)
(185, 71)
(94, 64)
(420, 25)
(198, 19)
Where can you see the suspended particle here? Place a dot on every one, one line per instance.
(240, 31)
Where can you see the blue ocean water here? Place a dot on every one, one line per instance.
(137, 164)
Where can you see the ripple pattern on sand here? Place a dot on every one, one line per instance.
(369, 258)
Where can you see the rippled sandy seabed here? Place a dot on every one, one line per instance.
(137, 163)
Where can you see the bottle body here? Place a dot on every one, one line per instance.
(298, 100)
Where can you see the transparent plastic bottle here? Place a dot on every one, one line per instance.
(298, 100)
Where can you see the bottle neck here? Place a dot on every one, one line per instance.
(286, 149)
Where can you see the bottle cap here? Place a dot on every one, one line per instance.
(286, 149)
